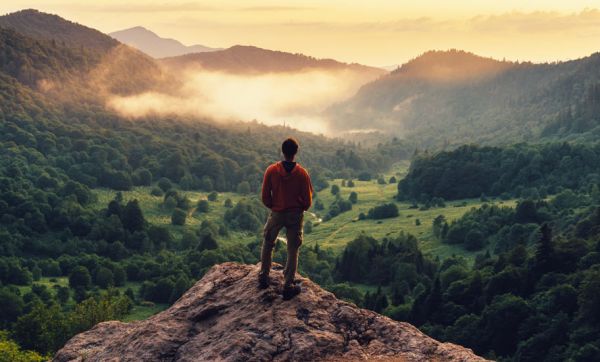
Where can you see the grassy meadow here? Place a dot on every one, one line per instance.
(156, 214)
(334, 233)
(338, 231)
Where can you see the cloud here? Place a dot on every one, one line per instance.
(173, 7)
(129, 7)
(525, 24)
(537, 22)
(275, 8)
(296, 98)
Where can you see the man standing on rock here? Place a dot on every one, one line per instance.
(287, 191)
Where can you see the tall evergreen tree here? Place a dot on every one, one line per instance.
(133, 218)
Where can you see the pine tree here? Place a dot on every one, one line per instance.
(544, 253)
(133, 218)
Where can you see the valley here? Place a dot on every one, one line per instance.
(458, 193)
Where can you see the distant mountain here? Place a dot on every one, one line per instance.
(250, 59)
(454, 97)
(390, 68)
(155, 46)
(39, 25)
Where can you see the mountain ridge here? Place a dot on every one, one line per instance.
(253, 59)
(225, 317)
(154, 45)
(40, 25)
(453, 97)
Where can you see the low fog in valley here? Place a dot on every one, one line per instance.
(296, 98)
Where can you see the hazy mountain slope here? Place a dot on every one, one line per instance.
(250, 59)
(39, 25)
(224, 317)
(457, 97)
(31, 61)
(50, 89)
(54, 54)
(154, 45)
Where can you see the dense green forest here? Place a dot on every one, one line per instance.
(68, 261)
(531, 295)
(59, 144)
(521, 171)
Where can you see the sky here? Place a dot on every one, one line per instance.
(373, 32)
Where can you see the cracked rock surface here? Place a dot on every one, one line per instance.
(225, 317)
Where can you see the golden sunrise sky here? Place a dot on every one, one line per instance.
(373, 32)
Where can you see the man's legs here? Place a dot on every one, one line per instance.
(270, 232)
(293, 226)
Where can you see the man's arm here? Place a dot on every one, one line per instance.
(267, 198)
(307, 192)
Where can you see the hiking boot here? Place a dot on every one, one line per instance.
(263, 281)
(290, 291)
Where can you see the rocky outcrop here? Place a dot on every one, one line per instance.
(225, 317)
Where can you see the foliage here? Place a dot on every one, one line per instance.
(383, 211)
(178, 217)
(247, 214)
(470, 171)
(353, 197)
(337, 207)
(11, 352)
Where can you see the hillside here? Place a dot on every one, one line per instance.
(250, 59)
(225, 317)
(70, 61)
(154, 45)
(455, 97)
(43, 26)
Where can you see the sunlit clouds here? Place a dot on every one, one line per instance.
(378, 32)
(296, 99)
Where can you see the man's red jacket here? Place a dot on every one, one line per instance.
(286, 191)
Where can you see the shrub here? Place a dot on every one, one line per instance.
(203, 206)
(335, 189)
(157, 192)
(384, 211)
(142, 177)
(319, 205)
(178, 217)
(353, 198)
(164, 184)
(337, 207)
(364, 176)
(308, 227)
(80, 278)
(104, 277)
(243, 188)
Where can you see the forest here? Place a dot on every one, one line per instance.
(478, 99)
(522, 170)
(498, 248)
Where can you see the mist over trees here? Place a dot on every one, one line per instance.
(455, 97)
(530, 292)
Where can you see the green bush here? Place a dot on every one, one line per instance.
(384, 211)
(178, 217)
(203, 206)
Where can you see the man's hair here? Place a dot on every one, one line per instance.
(289, 147)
